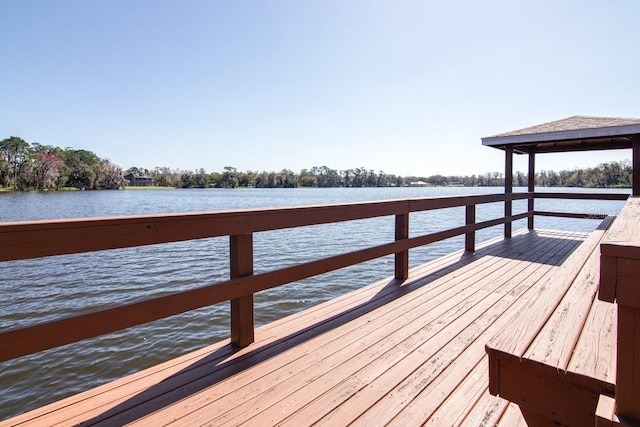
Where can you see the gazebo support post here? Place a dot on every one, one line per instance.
(531, 187)
(508, 189)
(636, 167)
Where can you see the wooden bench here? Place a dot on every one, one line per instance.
(620, 282)
(557, 356)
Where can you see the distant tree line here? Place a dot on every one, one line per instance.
(605, 175)
(25, 166)
(612, 174)
(232, 178)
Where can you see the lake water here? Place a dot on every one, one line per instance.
(47, 288)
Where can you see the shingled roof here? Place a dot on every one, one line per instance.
(576, 133)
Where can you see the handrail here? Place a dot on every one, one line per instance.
(32, 239)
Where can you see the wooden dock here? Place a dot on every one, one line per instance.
(394, 353)
(408, 350)
(508, 332)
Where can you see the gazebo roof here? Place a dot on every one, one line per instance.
(576, 133)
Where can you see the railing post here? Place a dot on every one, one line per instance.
(241, 264)
(470, 236)
(402, 258)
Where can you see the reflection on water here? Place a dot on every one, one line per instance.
(48, 288)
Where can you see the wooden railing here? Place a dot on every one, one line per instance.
(27, 240)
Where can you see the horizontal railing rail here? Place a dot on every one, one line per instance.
(577, 196)
(33, 239)
(581, 196)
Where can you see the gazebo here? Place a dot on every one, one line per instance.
(575, 133)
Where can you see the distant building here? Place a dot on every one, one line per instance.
(418, 184)
(138, 180)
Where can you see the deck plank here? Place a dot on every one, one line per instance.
(461, 401)
(487, 411)
(512, 417)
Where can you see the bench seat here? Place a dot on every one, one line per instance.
(558, 355)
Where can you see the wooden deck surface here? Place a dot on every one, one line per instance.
(410, 353)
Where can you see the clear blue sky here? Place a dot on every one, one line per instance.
(406, 87)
